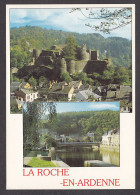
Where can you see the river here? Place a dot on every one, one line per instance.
(75, 157)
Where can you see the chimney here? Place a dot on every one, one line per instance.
(121, 86)
(62, 87)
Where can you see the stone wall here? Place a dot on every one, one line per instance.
(80, 66)
(71, 67)
(113, 94)
(90, 61)
(95, 66)
(94, 55)
(62, 65)
(110, 148)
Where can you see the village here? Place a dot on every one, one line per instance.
(72, 91)
(110, 145)
(54, 66)
(110, 138)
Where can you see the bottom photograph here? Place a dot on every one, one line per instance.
(75, 134)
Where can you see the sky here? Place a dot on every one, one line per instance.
(86, 106)
(62, 107)
(60, 19)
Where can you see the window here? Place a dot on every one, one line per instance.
(28, 97)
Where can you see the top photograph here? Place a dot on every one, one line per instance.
(70, 55)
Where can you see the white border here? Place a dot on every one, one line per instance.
(14, 131)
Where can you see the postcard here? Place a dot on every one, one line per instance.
(70, 96)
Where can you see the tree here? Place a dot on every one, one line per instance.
(32, 81)
(11, 77)
(81, 76)
(108, 19)
(70, 48)
(121, 76)
(71, 140)
(85, 139)
(32, 114)
(44, 81)
(49, 141)
(66, 77)
(108, 75)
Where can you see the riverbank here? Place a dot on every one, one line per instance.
(110, 148)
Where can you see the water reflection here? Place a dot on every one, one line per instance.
(110, 157)
(75, 157)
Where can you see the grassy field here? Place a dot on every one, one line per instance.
(36, 162)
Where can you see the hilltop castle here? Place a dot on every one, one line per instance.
(54, 59)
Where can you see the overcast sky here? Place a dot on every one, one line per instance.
(60, 19)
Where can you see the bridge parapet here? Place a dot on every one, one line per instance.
(59, 144)
(78, 142)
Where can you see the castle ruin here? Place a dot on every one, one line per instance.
(89, 61)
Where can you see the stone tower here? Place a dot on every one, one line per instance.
(94, 55)
(84, 52)
(63, 66)
(72, 67)
(36, 53)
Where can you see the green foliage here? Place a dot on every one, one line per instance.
(121, 76)
(43, 79)
(70, 48)
(32, 114)
(33, 153)
(36, 162)
(49, 141)
(85, 139)
(32, 81)
(19, 54)
(45, 85)
(24, 39)
(66, 77)
(11, 77)
(71, 140)
(81, 76)
(14, 109)
(83, 122)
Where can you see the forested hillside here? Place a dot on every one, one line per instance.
(98, 122)
(24, 39)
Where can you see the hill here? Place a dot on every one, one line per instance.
(24, 39)
(98, 122)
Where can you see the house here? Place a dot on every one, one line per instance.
(63, 138)
(100, 90)
(16, 86)
(111, 137)
(27, 95)
(125, 109)
(115, 139)
(87, 94)
(25, 85)
(90, 134)
(75, 84)
(119, 91)
(61, 90)
(81, 88)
